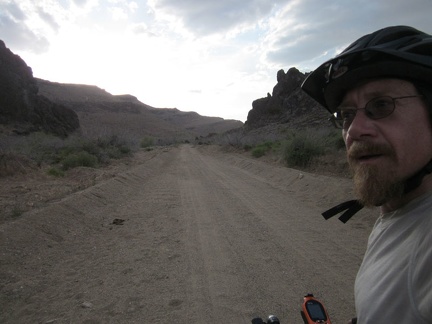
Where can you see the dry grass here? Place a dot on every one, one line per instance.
(21, 154)
(15, 163)
(317, 150)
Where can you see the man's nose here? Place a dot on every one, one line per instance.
(361, 126)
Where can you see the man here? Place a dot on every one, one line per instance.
(379, 91)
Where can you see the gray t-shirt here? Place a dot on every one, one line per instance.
(394, 282)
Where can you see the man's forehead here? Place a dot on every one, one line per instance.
(379, 87)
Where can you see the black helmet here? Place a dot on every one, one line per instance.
(398, 51)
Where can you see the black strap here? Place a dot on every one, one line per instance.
(350, 207)
(416, 180)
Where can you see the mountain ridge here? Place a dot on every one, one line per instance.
(92, 103)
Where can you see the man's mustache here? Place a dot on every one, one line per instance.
(360, 150)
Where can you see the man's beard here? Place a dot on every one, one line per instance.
(375, 184)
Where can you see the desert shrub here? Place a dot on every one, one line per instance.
(13, 163)
(115, 152)
(111, 147)
(82, 158)
(233, 138)
(335, 140)
(301, 148)
(20, 153)
(259, 151)
(263, 148)
(102, 149)
(110, 141)
(55, 172)
(16, 212)
(39, 147)
(147, 142)
(247, 147)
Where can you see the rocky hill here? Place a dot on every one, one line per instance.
(101, 112)
(287, 104)
(20, 104)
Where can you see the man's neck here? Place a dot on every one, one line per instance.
(397, 203)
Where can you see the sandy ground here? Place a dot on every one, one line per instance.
(176, 235)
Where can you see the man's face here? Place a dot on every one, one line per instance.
(383, 153)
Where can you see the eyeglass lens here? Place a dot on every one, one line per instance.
(376, 108)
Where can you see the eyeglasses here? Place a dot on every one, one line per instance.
(377, 108)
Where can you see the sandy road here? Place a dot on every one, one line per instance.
(207, 237)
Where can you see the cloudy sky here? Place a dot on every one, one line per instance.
(210, 56)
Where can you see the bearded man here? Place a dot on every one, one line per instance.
(379, 92)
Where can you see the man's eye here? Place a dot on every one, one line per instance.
(381, 103)
(347, 114)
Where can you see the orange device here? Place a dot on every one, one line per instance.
(313, 311)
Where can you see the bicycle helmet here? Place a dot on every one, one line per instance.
(398, 51)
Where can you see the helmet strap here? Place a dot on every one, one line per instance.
(415, 181)
(350, 208)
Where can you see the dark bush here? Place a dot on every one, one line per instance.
(259, 151)
(82, 158)
(301, 149)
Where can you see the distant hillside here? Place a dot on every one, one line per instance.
(196, 123)
(102, 113)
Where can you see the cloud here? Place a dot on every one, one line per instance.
(80, 3)
(48, 19)
(142, 29)
(19, 35)
(202, 17)
(31, 26)
(118, 13)
(304, 36)
(14, 11)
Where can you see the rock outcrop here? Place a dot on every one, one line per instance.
(22, 107)
(287, 104)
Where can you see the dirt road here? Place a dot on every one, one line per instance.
(186, 235)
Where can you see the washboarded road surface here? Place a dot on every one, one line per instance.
(185, 235)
